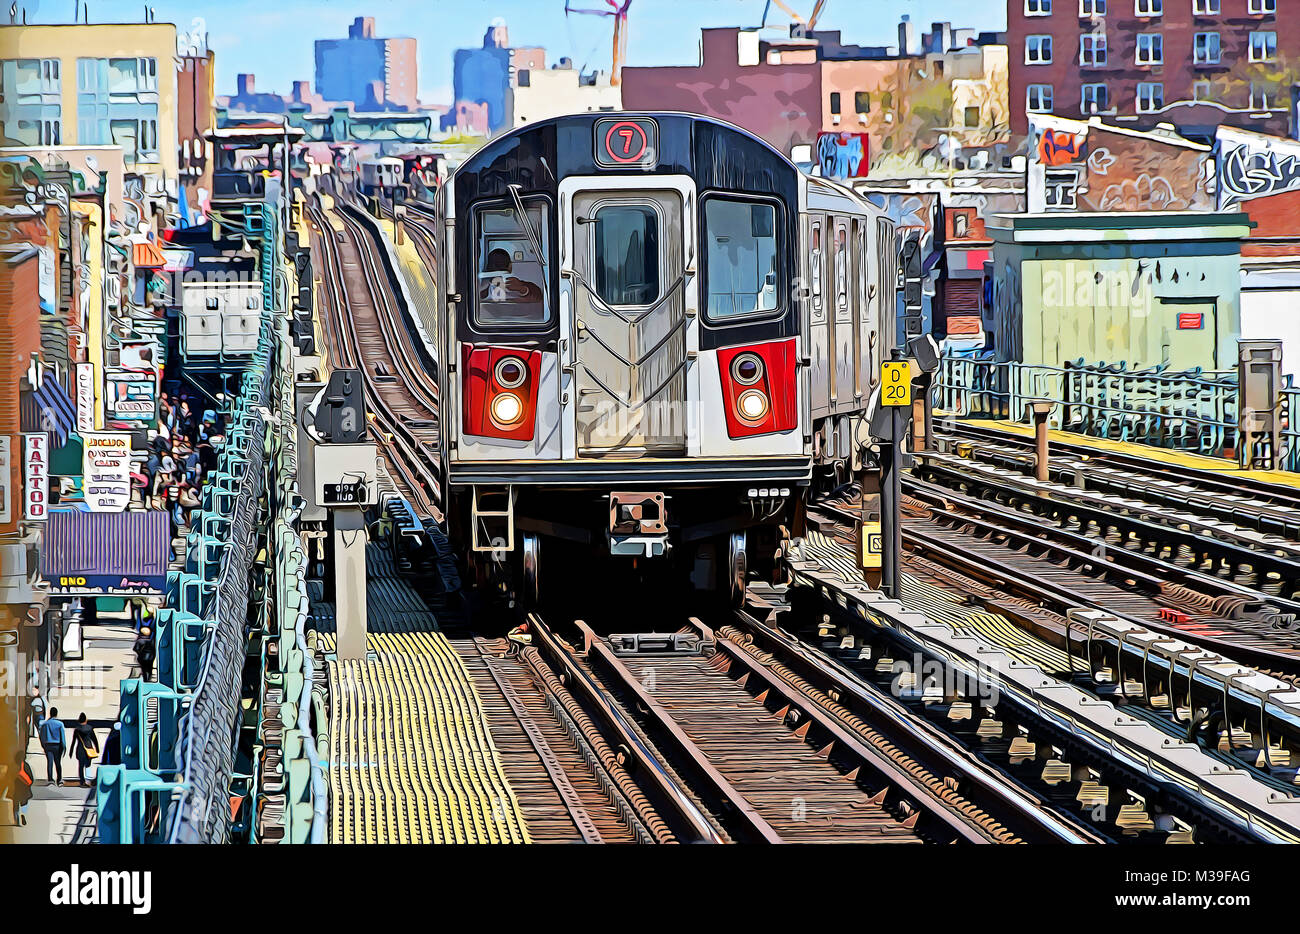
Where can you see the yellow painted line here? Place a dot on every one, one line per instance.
(411, 756)
(1160, 455)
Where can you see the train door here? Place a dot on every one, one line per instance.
(629, 322)
(858, 272)
(845, 329)
(819, 351)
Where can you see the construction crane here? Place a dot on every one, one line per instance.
(618, 10)
(807, 24)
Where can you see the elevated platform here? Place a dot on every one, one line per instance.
(411, 756)
(1156, 455)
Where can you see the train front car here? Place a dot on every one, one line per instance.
(627, 332)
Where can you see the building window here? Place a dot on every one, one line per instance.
(1205, 7)
(960, 224)
(1260, 7)
(1201, 91)
(1038, 98)
(971, 117)
(1150, 48)
(835, 102)
(1095, 99)
(740, 271)
(1263, 46)
(862, 102)
(1149, 7)
(1262, 97)
(1205, 48)
(1038, 50)
(1038, 7)
(1092, 50)
(1092, 7)
(1059, 190)
(1150, 97)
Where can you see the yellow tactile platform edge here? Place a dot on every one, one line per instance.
(411, 759)
(1161, 455)
(943, 607)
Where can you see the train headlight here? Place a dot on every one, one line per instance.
(752, 405)
(510, 372)
(507, 409)
(747, 369)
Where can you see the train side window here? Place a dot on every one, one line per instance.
(841, 268)
(816, 264)
(626, 254)
(741, 258)
(511, 287)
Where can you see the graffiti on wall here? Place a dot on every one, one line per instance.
(1061, 147)
(844, 155)
(1248, 172)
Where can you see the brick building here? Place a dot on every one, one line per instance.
(1193, 63)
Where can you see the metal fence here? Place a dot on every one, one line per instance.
(1192, 411)
(209, 728)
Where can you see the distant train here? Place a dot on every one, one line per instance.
(382, 177)
(660, 336)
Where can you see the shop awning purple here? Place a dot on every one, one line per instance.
(110, 553)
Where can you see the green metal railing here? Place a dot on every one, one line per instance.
(184, 738)
(1191, 411)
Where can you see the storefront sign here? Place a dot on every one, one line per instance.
(36, 476)
(106, 471)
(132, 396)
(108, 585)
(85, 397)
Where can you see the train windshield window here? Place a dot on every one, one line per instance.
(741, 271)
(511, 288)
(626, 254)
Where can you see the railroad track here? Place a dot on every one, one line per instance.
(365, 330)
(780, 748)
(1126, 772)
(990, 558)
(1226, 496)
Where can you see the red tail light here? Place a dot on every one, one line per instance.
(759, 393)
(500, 392)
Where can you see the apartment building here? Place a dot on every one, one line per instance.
(1195, 64)
(93, 85)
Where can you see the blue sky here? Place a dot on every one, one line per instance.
(273, 38)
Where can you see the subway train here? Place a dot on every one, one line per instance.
(382, 177)
(660, 337)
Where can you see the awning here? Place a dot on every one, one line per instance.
(49, 409)
(113, 554)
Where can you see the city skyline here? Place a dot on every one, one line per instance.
(247, 37)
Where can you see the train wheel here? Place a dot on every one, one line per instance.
(737, 567)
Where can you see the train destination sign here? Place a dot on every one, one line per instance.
(627, 142)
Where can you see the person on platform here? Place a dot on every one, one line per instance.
(145, 653)
(54, 738)
(84, 748)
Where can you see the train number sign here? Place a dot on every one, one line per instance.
(626, 142)
(896, 384)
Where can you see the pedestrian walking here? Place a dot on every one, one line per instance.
(36, 709)
(20, 791)
(145, 653)
(54, 739)
(112, 754)
(84, 748)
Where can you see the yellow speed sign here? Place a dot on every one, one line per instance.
(896, 384)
